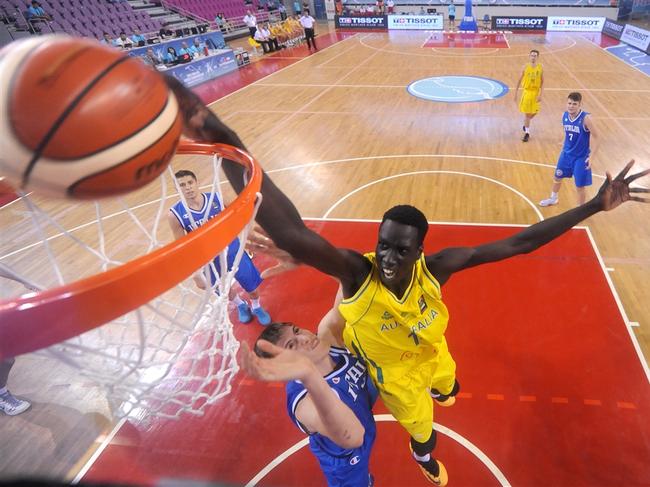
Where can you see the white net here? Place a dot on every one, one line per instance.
(173, 355)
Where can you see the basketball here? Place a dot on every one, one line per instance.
(81, 119)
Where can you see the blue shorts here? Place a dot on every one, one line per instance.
(247, 274)
(576, 167)
(347, 472)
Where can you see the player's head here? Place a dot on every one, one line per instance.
(289, 336)
(401, 236)
(188, 183)
(573, 103)
(533, 55)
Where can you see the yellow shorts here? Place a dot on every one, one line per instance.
(408, 398)
(528, 102)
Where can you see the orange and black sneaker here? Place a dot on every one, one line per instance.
(445, 401)
(441, 479)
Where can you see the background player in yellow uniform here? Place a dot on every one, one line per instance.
(532, 81)
(401, 335)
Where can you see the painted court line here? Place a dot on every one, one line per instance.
(473, 449)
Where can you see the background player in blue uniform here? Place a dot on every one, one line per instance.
(574, 160)
(204, 206)
(329, 394)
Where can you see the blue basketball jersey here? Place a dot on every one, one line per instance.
(212, 206)
(351, 383)
(576, 135)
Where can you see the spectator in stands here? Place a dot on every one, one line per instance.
(296, 7)
(137, 38)
(251, 23)
(338, 7)
(422, 11)
(390, 4)
(123, 41)
(151, 59)
(197, 48)
(379, 5)
(219, 21)
(171, 58)
(283, 11)
(107, 39)
(307, 22)
(36, 13)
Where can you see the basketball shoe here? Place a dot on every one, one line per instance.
(262, 316)
(441, 479)
(11, 405)
(548, 202)
(244, 314)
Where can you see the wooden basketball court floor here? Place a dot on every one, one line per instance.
(551, 346)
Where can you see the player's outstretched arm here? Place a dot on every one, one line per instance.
(612, 193)
(277, 215)
(321, 411)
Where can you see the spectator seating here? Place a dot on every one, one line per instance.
(90, 18)
(233, 10)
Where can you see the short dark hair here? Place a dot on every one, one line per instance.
(184, 173)
(535, 51)
(575, 96)
(271, 334)
(408, 215)
(122, 33)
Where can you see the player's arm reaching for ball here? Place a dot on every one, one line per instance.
(277, 215)
(612, 193)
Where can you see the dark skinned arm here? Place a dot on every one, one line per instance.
(612, 193)
(277, 215)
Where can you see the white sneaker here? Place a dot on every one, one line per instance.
(11, 405)
(548, 202)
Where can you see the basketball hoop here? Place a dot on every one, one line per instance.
(156, 342)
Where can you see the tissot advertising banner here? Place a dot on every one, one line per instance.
(369, 22)
(575, 24)
(636, 37)
(613, 28)
(518, 23)
(416, 22)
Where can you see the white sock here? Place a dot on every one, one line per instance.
(238, 300)
(255, 303)
(553, 195)
(3, 390)
(423, 459)
(527, 129)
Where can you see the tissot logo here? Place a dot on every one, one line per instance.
(523, 23)
(576, 22)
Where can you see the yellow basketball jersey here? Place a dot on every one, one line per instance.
(532, 77)
(394, 335)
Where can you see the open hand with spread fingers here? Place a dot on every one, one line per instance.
(283, 365)
(615, 191)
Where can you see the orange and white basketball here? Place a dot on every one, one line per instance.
(81, 119)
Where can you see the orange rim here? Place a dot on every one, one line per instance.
(37, 320)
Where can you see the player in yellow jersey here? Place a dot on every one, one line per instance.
(532, 81)
(392, 302)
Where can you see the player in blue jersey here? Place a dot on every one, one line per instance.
(204, 206)
(329, 394)
(574, 160)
